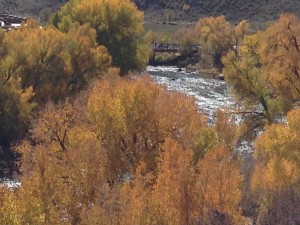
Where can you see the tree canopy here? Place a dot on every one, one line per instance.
(119, 27)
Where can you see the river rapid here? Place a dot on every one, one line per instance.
(210, 94)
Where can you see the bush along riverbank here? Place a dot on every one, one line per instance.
(181, 59)
(191, 61)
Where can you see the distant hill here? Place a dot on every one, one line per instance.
(28, 7)
(177, 10)
(234, 10)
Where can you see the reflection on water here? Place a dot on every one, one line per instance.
(210, 94)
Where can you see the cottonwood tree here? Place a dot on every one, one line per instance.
(134, 117)
(280, 55)
(16, 102)
(119, 28)
(276, 179)
(63, 168)
(136, 199)
(54, 64)
(264, 74)
(174, 191)
(245, 74)
(215, 36)
(219, 188)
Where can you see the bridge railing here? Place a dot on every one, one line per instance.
(171, 47)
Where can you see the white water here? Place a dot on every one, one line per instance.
(210, 94)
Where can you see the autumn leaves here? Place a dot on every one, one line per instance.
(44, 64)
(124, 150)
(264, 76)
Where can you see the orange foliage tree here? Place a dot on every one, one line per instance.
(219, 188)
(134, 117)
(276, 177)
(280, 51)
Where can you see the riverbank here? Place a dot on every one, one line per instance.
(192, 62)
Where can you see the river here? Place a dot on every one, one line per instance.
(210, 94)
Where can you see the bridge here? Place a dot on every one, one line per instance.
(173, 54)
(171, 47)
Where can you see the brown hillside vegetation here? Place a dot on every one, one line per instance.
(28, 7)
(185, 10)
(192, 10)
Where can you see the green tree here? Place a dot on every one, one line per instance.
(45, 15)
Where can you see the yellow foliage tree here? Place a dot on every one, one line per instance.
(134, 117)
(280, 51)
(216, 36)
(64, 169)
(119, 28)
(276, 177)
(16, 102)
(55, 64)
(135, 201)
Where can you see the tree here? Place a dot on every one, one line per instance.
(240, 30)
(174, 190)
(54, 64)
(169, 16)
(276, 178)
(63, 166)
(264, 73)
(258, 103)
(119, 28)
(16, 102)
(280, 54)
(216, 37)
(186, 36)
(219, 188)
(135, 201)
(45, 15)
(134, 117)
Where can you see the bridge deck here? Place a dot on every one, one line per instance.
(170, 47)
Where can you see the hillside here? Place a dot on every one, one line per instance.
(234, 10)
(28, 7)
(160, 10)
